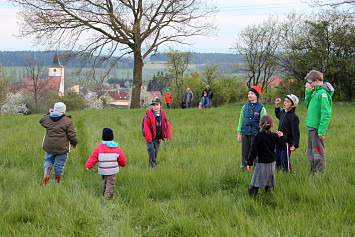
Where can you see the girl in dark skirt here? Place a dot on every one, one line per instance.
(264, 147)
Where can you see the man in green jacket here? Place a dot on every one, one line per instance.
(319, 105)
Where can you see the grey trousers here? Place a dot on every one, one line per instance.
(316, 151)
(153, 148)
(247, 142)
(108, 183)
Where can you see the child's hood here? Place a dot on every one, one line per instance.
(328, 87)
(110, 144)
(55, 116)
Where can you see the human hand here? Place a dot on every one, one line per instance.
(87, 169)
(279, 133)
(322, 137)
(239, 138)
(74, 147)
(292, 148)
(51, 110)
(277, 102)
(309, 86)
(249, 168)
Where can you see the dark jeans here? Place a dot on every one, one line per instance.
(283, 158)
(153, 148)
(247, 142)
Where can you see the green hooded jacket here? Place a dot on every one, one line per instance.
(319, 105)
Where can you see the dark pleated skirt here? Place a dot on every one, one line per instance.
(264, 175)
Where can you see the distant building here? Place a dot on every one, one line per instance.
(153, 94)
(54, 82)
(274, 82)
(75, 88)
(56, 72)
(119, 98)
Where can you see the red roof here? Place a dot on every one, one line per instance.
(274, 82)
(42, 84)
(119, 94)
(155, 94)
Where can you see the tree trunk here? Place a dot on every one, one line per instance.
(137, 81)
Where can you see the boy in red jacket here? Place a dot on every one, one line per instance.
(110, 158)
(155, 127)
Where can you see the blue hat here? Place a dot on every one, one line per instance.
(107, 134)
(167, 90)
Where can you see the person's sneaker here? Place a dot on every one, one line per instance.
(57, 178)
(45, 180)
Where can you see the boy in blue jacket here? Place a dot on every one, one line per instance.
(249, 120)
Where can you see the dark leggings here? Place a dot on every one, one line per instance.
(253, 191)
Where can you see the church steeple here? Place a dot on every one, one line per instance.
(56, 73)
(56, 62)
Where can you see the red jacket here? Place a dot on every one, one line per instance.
(150, 126)
(109, 159)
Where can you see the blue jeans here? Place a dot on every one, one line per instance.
(283, 158)
(58, 160)
(153, 148)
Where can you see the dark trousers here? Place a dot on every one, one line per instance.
(283, 158)
(153, 148)
(168, 105)
(247, 142)
(108, 183)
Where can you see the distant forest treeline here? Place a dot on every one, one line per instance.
(18, 59)
(202, 58)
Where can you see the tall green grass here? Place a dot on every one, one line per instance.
(196, 190)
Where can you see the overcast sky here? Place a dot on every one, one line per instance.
(232, 17)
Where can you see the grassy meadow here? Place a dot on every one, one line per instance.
(197, 189)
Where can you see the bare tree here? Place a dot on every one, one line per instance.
(258, 45)
(331, 3)
(177, 65)
(210, 72)
(35, 85)
(106, 27)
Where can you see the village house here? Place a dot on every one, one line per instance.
(54, 82)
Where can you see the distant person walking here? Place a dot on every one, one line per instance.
(209, 95)
(110, 157)
(319, 105)
(188, 98)
(264, 147)
(60, 134)
(204, 101)
(168, 99)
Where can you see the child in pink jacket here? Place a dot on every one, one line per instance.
(109, 157)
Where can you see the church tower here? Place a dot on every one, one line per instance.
(56, 72)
